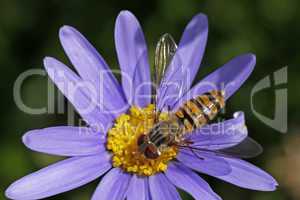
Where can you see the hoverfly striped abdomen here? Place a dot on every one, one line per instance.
(199, 110)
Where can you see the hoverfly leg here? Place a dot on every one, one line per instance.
(156, 116)
(195, 154)
(185, 145)
(188, 142)
(169, 111)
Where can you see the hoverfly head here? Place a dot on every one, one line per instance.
(147, 148)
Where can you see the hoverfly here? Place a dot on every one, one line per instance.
(191, 115)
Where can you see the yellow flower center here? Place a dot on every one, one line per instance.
(122, 142)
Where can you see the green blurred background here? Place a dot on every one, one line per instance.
(268, 28)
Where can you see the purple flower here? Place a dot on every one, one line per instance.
(101, 151)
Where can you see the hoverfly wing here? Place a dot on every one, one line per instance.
(248, 148)
(164, 52)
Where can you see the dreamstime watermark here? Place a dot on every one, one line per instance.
(100, 100)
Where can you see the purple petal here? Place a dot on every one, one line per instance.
(138, 189)
(204, 162)
(133, 59)
(229, 77)
(186, 61)
(189, 181)
(92, 67)
(65, 141)
(221, 135)
(59, 177)
(162, 188)
(113, 186)
(248, 176)
(67, 82)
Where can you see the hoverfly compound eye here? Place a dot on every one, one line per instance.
(151, 152)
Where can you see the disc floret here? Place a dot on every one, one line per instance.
(122, 142)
